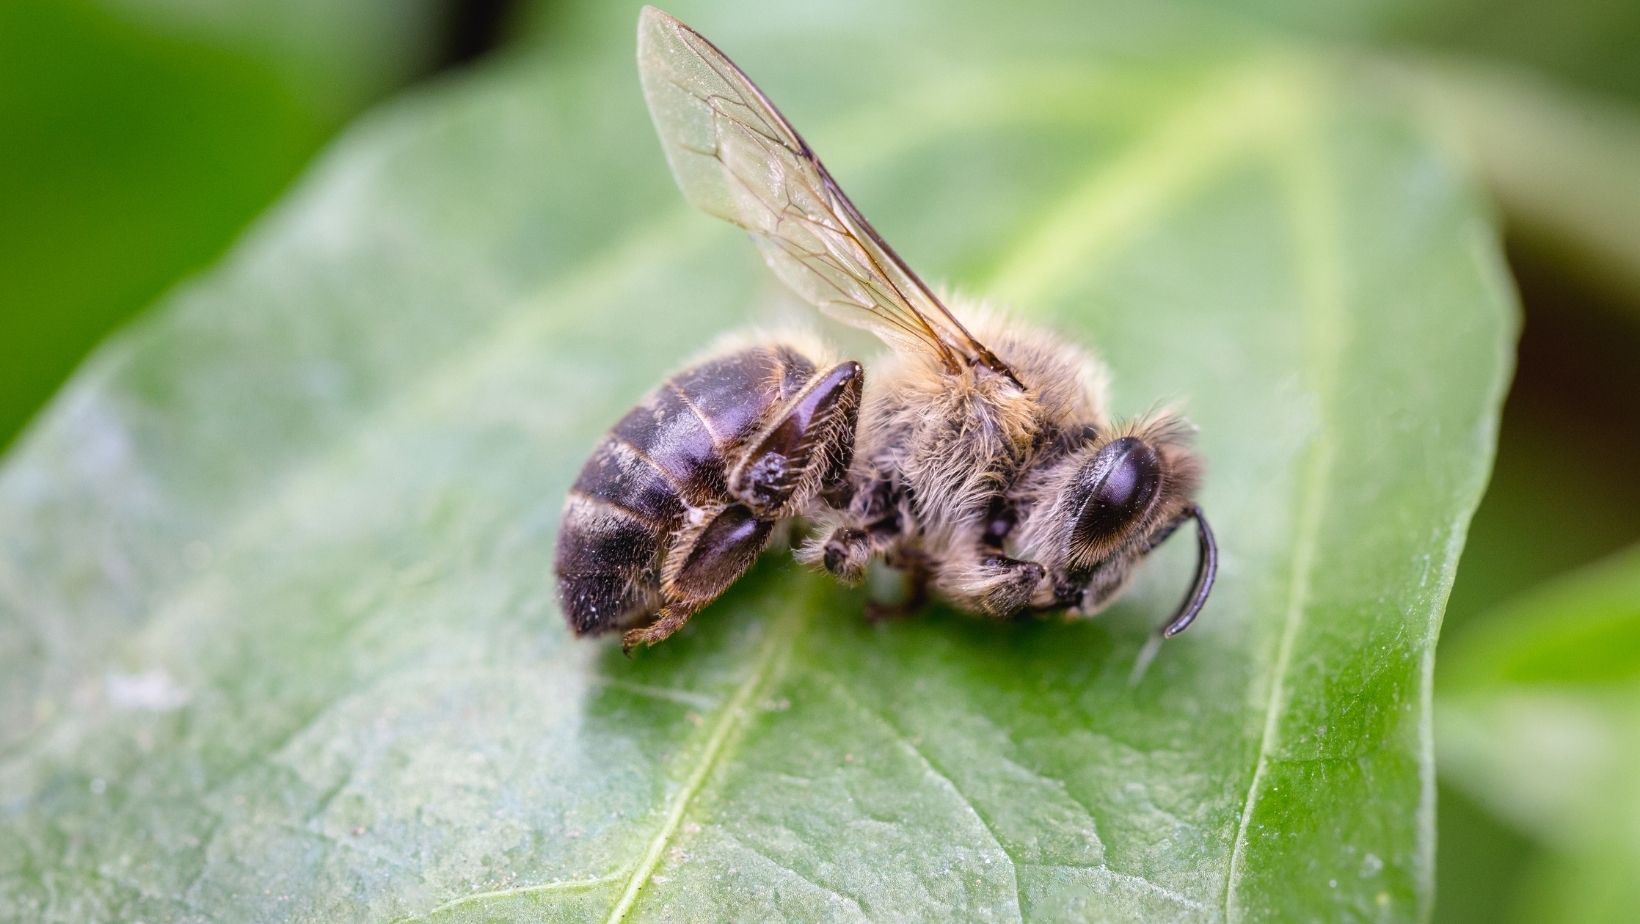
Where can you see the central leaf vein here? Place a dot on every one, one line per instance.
(766, 664)
(1321, 301)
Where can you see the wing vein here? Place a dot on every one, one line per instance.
(767, 180)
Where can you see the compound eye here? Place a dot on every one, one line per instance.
(1121, 483)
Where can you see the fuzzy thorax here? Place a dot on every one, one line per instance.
(955, 440)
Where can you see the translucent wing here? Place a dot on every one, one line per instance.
(735, 156)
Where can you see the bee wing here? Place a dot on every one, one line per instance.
(735, 156)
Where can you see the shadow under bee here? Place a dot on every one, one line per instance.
(782, 611)
(788, 659)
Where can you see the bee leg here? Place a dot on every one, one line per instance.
(1105, 585)
(913, 570)
(992, 584)
(808, 446)
(1059, 593)
(844, 553)
(701, 567)
(670, 619)
(846, 550)
(878, 612)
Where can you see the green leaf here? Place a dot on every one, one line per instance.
(1582, 630)
(1544, 97)
(142, 135)
(277, 638)
(1538, 723)
(1586, 45)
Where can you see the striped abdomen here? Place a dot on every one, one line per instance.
(665, 462)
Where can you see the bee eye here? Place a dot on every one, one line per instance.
(1120, 484)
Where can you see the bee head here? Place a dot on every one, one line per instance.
(1130, 490)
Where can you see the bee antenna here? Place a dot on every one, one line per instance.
(1207, 568)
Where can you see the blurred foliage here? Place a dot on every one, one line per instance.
(1539, 706)
(1565, 466)
(1545, 95)
(141, 135)
(1563, 494)
(1562, 168)
(1586, 45)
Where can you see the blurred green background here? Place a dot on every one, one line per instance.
(142, 136)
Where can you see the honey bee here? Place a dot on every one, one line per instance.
(991, 476)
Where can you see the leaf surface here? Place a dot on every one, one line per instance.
(277, 638)
(143, 135)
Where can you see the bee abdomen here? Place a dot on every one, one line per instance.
(607, 560)
(685, 427)
(667, 456)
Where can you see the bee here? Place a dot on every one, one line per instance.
(985, 469)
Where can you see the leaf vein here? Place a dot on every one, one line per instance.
(1321, 296)
(765, 857)
(561, 885)
(840, 690)
(766, 664)
(1148, 885)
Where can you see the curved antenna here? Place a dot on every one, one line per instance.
(1207, 568)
